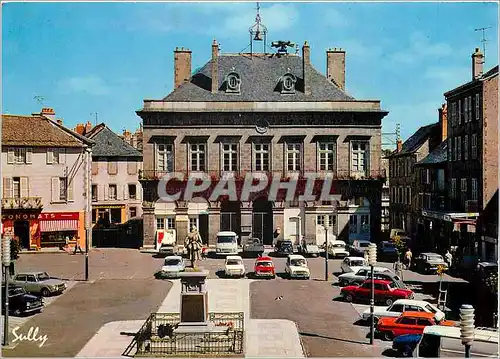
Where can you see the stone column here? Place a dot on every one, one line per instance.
(213, 224)
(310, 223)
(278, 219)
(181, 222)
(149, 225)
(246, 216)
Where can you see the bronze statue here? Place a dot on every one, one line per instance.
(193, 244)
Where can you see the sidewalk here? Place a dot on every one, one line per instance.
(263, 337)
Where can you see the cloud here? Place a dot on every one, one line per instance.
(448, 77)
(91, 84)
(421, 47)
(358, 50)
(334, 18)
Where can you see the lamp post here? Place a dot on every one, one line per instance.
(6, 265)
(372, 260)
(326, 225)
(467, 327)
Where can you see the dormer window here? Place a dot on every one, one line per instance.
(288, 83)
(233, 83)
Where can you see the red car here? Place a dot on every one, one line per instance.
(264, 267)
(408, 323)
(384, 290)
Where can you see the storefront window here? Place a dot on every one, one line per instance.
(56, 239)
(116, 215)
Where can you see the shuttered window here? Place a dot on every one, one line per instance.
(95, 168)
(112, 167)
(62, 189)
(131, 167)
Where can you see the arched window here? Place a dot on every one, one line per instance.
(233, 82)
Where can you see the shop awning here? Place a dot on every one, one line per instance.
(57, 226)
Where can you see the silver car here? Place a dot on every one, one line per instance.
(360, 276)
(39, 283)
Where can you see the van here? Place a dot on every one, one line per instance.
(440, 342)
(227, 243)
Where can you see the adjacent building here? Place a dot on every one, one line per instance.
(116, 191)
(134, 139)
(385, 224)
(45, 170)
(272, 113)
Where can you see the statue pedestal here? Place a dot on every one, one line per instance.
(194, 303)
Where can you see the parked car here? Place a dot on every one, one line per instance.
(387, 252)
(337, 249)
(283, 248)
(404, 345)
(359, 247)
(408, 323)
(226, 243)
(308, 248)
(353, 264)
(359, 276)
(172, 266)
(264, 267)
(39, 283)
(404, 305)
(253, 247)
(429, 262)
(234, 266)
(384, 291)
(20, 302)
(296, 267)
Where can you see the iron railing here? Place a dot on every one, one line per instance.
(157, 337)
(336, 174)
(22, 203)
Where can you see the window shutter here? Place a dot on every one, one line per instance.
(95, 168)
(55, 189)
(119, 192)
(125, 192)
(132, 167)
(138, 191)
(62, 155)
(70, 190)
(110, 168)
(10, 155)
(24, 187)
(7, 187)
(106, 191)
(50, 156)
(29, 155)
(100, 192)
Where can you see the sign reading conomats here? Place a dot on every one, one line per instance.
(42, 216)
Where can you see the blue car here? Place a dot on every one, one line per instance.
(405, 344)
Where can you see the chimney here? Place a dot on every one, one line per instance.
(335, 67)
(59, 121)
(443, 121)
(80, 129)
(306, 63)
(182, 66)
(49, 113)
(399, 145)
(88, 127)
(477, 64)
(215, 67)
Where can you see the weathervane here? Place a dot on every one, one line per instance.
(258, 31)
(483, 40)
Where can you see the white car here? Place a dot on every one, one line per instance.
(234, 266)
(336, 249)
(226, 244)
(296, 267)
(172, 266)
(360, 275)
(404, 305)
(353, 264)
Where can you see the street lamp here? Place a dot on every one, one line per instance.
(467, 327)
(6, 265)
(372, 260)
(326, 225)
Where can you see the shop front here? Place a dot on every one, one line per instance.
(56, 228)
(104, 215)
(23, 226)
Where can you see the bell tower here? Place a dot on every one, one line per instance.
(258, 32)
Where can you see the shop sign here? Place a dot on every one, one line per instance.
(55, 216)
(436, 215)
(19, 216)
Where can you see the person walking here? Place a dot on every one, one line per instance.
(408, 256)
(77, 246)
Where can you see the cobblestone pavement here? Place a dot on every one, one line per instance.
(73, 319)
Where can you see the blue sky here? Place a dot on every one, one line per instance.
(107, 57)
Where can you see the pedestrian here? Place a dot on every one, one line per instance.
(204, 250)
(448, 257)
(77, 246)
(398, 268)
(408, 256)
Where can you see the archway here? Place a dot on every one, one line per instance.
(198, 216)
(262, 220)
(230, 217)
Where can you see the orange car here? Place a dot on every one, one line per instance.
(408, 323)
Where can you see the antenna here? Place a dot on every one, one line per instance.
(94, 113)
(39, 99)
(484, 40)
(390, 139)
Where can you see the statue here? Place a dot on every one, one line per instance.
(193, 245)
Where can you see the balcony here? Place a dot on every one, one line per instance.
(339, 175)
(22, 203)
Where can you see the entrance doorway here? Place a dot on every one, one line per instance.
(262, 220)
(230, 217)
(22, 231)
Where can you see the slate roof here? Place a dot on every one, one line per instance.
(439, 155)
(413, 143)
(491, 72)
(260, 75)
(37, 131)
(109, 144)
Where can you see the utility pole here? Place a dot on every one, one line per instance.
(483, 40)
(390, 139)
(94, 113)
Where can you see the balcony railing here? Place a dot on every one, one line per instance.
(336, 175)
(22, 203)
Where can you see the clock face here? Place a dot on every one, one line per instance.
(261, 126)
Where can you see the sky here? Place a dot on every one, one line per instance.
(106, 58)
